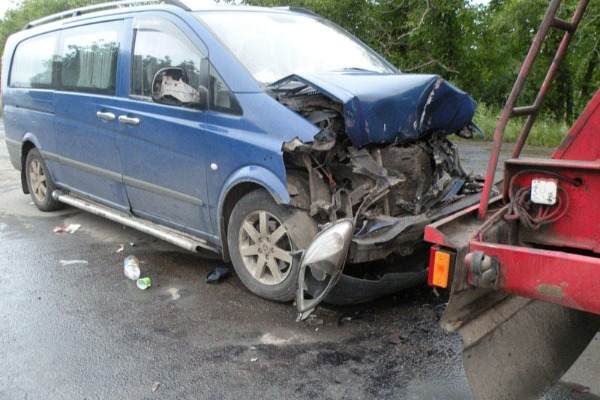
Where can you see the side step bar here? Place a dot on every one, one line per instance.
(172, 236)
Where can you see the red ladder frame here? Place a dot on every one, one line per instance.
(510, 110)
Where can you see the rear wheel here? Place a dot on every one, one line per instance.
(262, 238)
(39, 183)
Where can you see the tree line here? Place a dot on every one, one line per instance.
(478, 48)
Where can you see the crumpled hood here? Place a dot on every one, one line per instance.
(394, 108)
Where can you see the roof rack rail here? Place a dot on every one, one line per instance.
(100, 7)
(298, 10)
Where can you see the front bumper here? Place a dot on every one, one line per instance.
(403, 234)
(321, 276)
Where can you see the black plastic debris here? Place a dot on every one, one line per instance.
(219, 274)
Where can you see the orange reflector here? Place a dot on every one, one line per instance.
(439, 268)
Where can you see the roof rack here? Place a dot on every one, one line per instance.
(100, 7)
(298, 10)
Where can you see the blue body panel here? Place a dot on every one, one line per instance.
(395, 107)
(82, 138)
(178, 165)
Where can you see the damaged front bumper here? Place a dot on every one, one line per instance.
(399, 235)
(322, 265)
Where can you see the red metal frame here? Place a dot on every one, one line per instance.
(561, 262)
(582, 141)
(571, 280)
(558, 263)
(579, 227)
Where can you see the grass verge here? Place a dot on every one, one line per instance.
(546, 131)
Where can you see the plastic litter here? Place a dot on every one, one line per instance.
(131, 268)
(218, 274)
(144, 283)
(254, 359)
(155, 386)
(174, 292)
(120, 249)
(71, 228)
(72, 262)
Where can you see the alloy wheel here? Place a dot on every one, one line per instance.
(37, 180)
(265, 247)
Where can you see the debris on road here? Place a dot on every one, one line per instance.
(131, 268)
(254, 359)
(71, 228)
(155, 386)
(313, 320)
(174, 292)
(218, 274)
(132, 244)
(72, 262)
(144, 283)
(120, 249)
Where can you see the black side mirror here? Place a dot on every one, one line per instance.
(171, 86)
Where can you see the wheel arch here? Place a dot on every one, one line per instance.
(242, 182)
(26, 147)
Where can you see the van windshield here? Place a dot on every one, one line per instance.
(273, 45)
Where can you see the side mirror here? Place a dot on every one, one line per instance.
(171, 86)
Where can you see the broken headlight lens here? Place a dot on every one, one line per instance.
(321, 265)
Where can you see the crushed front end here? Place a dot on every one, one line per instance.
(382, 160)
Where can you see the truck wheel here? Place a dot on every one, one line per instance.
(39, 182)
(262, 237)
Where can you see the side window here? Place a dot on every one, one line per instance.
(221, 98)
(33, 63)
(167, 67)
(88, 58)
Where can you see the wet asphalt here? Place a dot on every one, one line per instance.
(73, 327)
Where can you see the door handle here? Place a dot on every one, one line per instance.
(105, 116)
(124, 119)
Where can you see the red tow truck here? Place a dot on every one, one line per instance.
(523, 266)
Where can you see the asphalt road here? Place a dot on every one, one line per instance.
(80, 330)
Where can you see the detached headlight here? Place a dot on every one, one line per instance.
(321, 265)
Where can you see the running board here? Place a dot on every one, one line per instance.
(172, 236)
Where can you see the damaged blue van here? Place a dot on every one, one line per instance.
(270, 136)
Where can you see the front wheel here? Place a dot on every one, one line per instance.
(262, 237)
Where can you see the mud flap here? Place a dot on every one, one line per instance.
(517, 348)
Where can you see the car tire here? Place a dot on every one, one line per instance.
(40, 183)
(263, 239)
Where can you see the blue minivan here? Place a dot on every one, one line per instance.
(270, 136)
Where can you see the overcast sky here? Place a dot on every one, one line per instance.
(6, 4)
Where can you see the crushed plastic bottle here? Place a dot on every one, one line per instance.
(131, 268)
(144, 283)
